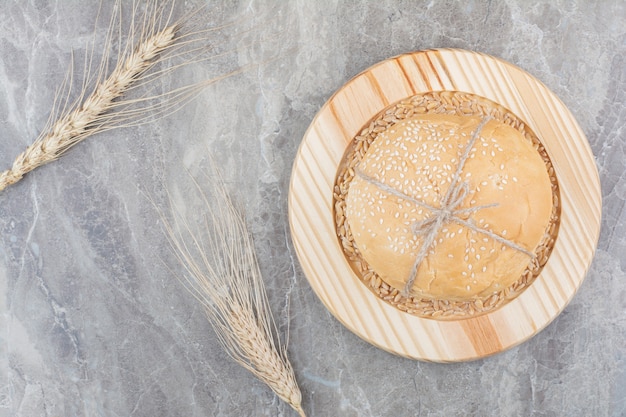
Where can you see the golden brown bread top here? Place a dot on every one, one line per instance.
(418, 157)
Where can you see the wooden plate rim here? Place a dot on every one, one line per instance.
(321, 257)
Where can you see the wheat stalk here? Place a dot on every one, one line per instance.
(223, 274)
(86, 120)
(159, 41)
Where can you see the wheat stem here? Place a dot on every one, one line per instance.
(224, 275)
(114, 101)
(86, 119)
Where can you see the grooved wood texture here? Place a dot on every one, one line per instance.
(313, 228)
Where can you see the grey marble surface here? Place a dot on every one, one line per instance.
(92, 321)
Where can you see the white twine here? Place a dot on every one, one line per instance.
(448, 211)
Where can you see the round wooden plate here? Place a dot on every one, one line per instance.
(313, 227)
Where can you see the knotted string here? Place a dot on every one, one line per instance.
(448, 211)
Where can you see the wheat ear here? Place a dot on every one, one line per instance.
(223, 274)
(158, 41)
(85, 120)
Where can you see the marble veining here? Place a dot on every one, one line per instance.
(92, 321)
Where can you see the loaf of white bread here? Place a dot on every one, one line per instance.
(506, 181)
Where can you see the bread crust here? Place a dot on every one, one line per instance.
(418, 156)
